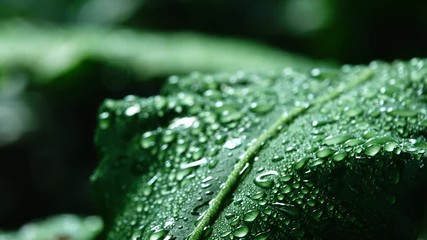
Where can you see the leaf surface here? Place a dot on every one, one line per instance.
(293, 154)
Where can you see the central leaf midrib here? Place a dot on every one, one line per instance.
(286, 118)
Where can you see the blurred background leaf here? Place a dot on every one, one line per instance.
(51, 52)
(60, 59)
(58, 228)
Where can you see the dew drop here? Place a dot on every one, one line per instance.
(333, 140)
(146, 191)
(257, 196)
(182, 173)
(233, 143)
(339, 156)
(379, 140)
(148, 140)
(229, 215)
(104, 121)
(229, 114)
(353, 112)
(324, 152)
(286, 178)
(390, 146)
(300, 163)
(207, 179)
(369, 134)
(403, 113)
(157, 235)
(207, 231)
(321, 122)
(262, 236)
(132, 110)
(263, 180)
(289, 209)
(250, 216)
(372, 150)
(261, 107)
(286, 189)
(290, 148)
(277, 158)
(184, 122)
(226, 235)
(168, 136)
(316, 163)
(241, 231)
(353, 142)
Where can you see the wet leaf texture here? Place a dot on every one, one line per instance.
(319, 154)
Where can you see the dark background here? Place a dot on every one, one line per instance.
(47, 153)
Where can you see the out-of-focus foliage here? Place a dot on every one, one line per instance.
(52, 52)
(59, 227)
(16, 116)
(352, 31)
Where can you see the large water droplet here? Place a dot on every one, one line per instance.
(250, 216)
(257, 195)
(289, 209)
(233, 143)
(372, 150)
(339, 156)
(132, 110)
(184, 122)
(324, 152)
(380, 140)
(333, 140)
(353, 142)
(157, 235)
(300, 163)
(390, 146)
(264, 180)
(229, 114)
(262, 236)
(261, 107)
(241, 231)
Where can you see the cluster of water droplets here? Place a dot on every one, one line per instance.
(352, 136)
(182, 147)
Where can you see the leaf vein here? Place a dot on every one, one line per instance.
(286, 119)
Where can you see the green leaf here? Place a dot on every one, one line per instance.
(58, 227)
(319, 154)
(49, 52)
